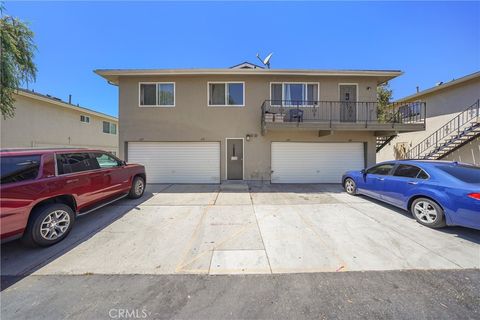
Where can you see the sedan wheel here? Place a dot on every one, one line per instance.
(350, 186)
(428, 213)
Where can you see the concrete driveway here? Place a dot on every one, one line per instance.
(246, 229)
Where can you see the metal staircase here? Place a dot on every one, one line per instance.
(383, 141)
(462, 129)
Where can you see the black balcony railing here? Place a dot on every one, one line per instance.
(449, 132)
(288, 111)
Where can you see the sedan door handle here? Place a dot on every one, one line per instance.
(381, 179)
(412, 182)
(72, 180)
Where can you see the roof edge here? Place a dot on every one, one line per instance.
(112, 75)
(440, 87)
(45, 98)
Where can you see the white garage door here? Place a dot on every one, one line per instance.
(177, 162)
(304, 162)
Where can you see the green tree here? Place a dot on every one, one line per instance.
(17, 50)
(384, 95)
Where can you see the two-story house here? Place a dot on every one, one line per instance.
(250, 123)
(452, 124)
(44, 121)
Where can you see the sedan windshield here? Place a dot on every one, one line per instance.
(465, 173)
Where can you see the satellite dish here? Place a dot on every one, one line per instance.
(266, 61)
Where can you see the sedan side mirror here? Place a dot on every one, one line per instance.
(363, 171)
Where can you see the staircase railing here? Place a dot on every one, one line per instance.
(453, 127)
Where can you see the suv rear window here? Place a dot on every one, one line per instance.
(469, 174)
(19, 168)
(75, 162)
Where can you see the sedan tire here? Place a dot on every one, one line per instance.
(48, 224)
(350, 186)
(428, 213)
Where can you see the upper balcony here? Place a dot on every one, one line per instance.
(343, 115)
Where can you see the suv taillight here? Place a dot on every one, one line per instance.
(475, 196)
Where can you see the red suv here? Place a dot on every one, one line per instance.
(43, 191)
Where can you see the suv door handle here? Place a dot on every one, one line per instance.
(72, 180)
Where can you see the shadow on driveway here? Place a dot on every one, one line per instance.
(468, 234)
(19, 261)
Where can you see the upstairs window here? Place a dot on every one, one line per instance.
(226, 94)
(161, 94)
(84, 119)
(293, 93)
(109, 127)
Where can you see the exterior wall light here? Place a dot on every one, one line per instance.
(247, 137)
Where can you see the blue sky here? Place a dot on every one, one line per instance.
(429, 41)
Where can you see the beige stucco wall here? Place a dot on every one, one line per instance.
(192, 120)
(469, 153)
(43, 124)
(442, 106)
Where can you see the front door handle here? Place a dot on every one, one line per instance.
(72, 180)
(380, 179)
(412, 182)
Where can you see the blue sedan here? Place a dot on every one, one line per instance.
(437, 193)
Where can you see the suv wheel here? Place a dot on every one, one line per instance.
(428, 213)
(49, 224)
(137, 189)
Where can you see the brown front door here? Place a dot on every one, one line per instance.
(235, 159)
(348, 102)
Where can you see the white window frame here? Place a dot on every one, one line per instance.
(85, 117)
(109, 127)
(226, 94)
(288, 82)
(157, 86)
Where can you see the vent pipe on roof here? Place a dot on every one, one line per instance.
(418, 89)
(69, 99)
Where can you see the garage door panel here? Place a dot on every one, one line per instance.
(178, 162)
(300, 162)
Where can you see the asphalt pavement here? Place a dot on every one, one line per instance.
(411, 294)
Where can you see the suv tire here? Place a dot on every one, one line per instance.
(138, 188)
(48, 224)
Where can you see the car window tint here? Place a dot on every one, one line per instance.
(382, 169)
(469, 174)
(406, 170)
(105, 160)
(75, 162)
(19, 168)
(422, 175)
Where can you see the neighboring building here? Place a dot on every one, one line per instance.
(251, 123)
(43, 121)
(452, 124)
